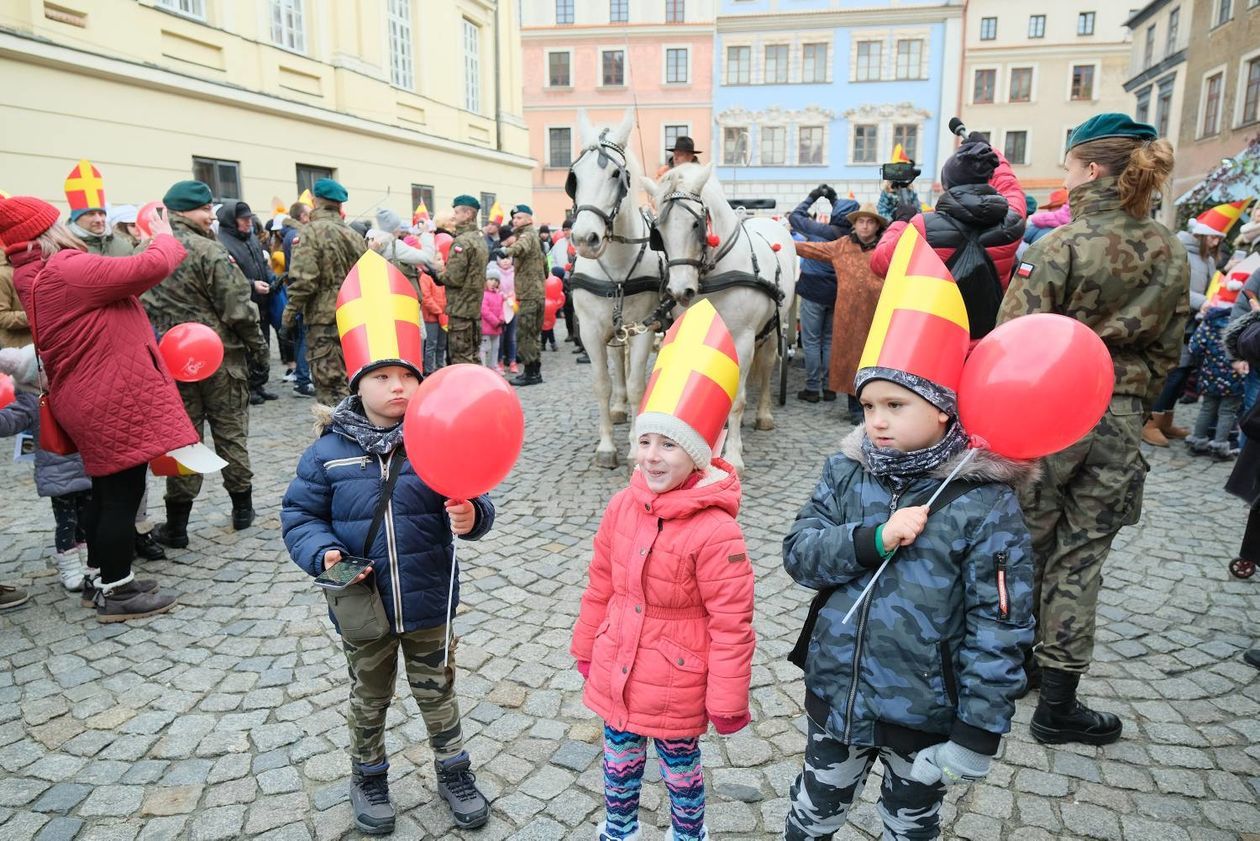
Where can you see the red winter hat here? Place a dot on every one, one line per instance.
(22, 218)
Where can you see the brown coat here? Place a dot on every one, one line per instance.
(14, 328)
(857, 295)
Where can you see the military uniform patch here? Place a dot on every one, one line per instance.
(1025, 270)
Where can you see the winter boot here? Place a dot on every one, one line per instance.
(122, 600)
(601, 834)
(369, 799)
(1153, 435)
(1060, 718)
(1198, 446)
(1252, 657)
(70, 569)
(11, 597)
(174, 532)
(458, 787)
(1164, 420)
(538, 372)
(526, 377)
(242, 509)
(92, 583)
(148, 548)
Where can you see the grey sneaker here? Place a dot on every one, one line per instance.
(130, 602)
(458, 787)
(369, 800)
(11, 597)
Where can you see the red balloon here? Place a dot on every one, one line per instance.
(443, 243)
(463, 430)
(554, 287)
(145, 215)
(1035, 385)
(7, 391)
(192, 351)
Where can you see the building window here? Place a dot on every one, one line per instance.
(1085, 23)
(1021, 84)
(223, 177)
(618, 11)
(558, 70)
(400, 68)
(614, 67)
(773, 145)
(191, 8)
(865, 143)
(672, 133)
(910, 58)
(1148, 54)
(1082, 81)
(307, 175)
(1036, 26)
(988, 29)
(1224, 11)
(814, 63)
(1251, 94)
(738, 65)
(1016, 147)
(1212, 105)
(986, 136)
(1163, 109)
(676, 61)
(908, 137)
(564, 11)
(472, 66)
(810, 145)
(487, 202)
(869, 54)
(286, 25)
(735, 146)
(1174, 27)
(1143, 111)
(559, 147)
(675, 11)
(776, 68)
(986, 82)
(422, 194)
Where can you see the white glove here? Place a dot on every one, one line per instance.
(951, 764)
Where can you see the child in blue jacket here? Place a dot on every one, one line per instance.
(328, 513)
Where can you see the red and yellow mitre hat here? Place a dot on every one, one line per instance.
(920, 334)
(693, 384)
(1218, 220)
(378, 318)
(85, 190)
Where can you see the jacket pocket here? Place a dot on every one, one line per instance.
(947, 672)
(157, 364)
(681, 658)
(359, 612)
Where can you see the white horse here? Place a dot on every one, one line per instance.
(616, 278)
(747, 268)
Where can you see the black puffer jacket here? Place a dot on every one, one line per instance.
(246, 251)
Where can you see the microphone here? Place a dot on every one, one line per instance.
(956, 127)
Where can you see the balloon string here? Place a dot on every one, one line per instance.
(953, 474)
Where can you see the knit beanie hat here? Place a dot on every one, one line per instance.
(973, 163)
(387, 220)
(492, 271)
(938, 395)
(22, 218)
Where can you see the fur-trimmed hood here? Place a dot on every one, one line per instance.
(985, 465)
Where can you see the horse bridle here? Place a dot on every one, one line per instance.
(602, 147)
(682, 198)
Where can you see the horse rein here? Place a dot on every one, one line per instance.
(703, 265)
(602, 147)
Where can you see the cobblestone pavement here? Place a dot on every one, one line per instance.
(223, 719)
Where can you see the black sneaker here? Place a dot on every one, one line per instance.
(458, 787)
(369, 800)
(305, 390)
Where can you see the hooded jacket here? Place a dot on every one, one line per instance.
(817, 282)
(54, 475)
(330, 505)
(937, 651)
(666, 619)
(1201, 269)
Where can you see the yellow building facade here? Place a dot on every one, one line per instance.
(396, 99)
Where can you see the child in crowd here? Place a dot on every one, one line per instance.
(664, 637)
(1219, 383)
(507, 287)
(491, 319)
(925, 674)
(60, 478)
(356, 494)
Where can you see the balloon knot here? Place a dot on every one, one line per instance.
(977, 443)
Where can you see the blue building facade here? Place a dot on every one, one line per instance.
(813, 91)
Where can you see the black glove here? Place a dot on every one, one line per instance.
(499, 254)
(816, 193)
(830, 194)
(259, 373)
(905, 212)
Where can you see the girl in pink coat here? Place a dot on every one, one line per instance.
(664, 637)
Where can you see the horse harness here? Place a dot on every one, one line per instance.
(602, 148)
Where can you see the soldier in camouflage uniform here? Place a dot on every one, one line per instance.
(531, 278)
(208, 288)
(323, 254)
(1127, 278)
(465, 282)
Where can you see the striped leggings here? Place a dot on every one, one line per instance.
(625, 756)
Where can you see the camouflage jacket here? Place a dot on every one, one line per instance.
(208, 288)
(1126, 279)
(530, 263)
(322, 255)
(937, 652)
(465, 275)
(109, 245)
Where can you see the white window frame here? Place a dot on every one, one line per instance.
(1028, 145)
(879, 65)
(1221, 125)
(472, 66)
(547, 140)
(761, 149)
(919, 74)
(402, 68)
(748, 130)
(1095, 80)
(879, 143)
(1172, 36)
(625, 70)
(826, 134)
(1216, 12)
(826, 67)
(726, 62)
(786, 46)
(1240, 92)
(547, 69)
(1032, 91)
(998, 89)
(665, 138)
(918, 138)
(290, 35)
(665, 48)
(177, 7)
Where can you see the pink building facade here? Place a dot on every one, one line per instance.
(658, 60)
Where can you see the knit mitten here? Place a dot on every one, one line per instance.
(584, 667)
(951, 764)
(726, 725)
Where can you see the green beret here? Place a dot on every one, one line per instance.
(187, 195)
(326, 188)
(466, 200)
(1112, 124)
(523, 208)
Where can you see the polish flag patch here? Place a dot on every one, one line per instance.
(1025, 270)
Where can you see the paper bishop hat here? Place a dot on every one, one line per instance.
(693, 384)
(378, 318)
(85, 190)
(1218, 220)
(899, 155)
(920, 327)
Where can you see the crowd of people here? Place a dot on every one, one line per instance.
(981, 605)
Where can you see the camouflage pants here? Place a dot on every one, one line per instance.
(529, 333)
(327, 364)
(463, 341)
(373, 669)
(223, 400)
(833, 777)
(1085, 495)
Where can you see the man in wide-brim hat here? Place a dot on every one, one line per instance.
(684, 150)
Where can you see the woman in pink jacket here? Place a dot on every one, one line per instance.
(108, 386)
(664, 637)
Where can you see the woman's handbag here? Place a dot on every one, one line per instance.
(53, 437)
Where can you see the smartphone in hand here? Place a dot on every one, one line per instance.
(341, 574)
